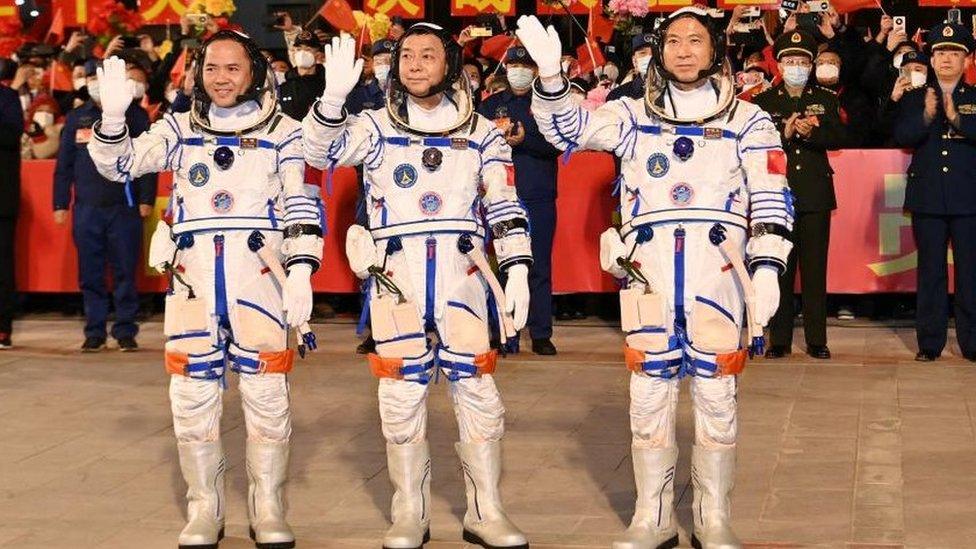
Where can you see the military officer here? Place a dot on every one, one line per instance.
(641, 58)
(808, 118)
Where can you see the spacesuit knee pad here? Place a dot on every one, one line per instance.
(190, 349)
(248, 361)
(196, 406)
(478, 408)
(266, 407)
(652, 411)
(256, 328)
(403, 411)
(715, 410)
(465, 331)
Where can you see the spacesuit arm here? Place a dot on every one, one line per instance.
(570, 127)
(304, 212)
(504, 212)
(121, 158)
(333, 138)
(770, 200)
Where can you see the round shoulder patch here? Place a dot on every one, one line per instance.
(199, 174)
(658, 165)
(405, 176)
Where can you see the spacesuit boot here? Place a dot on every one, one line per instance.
(713, 475)
(202, 464)
(409, 466)
(267, 467)
(652, 526)
(485, 522)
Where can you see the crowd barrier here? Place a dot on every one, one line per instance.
(871, 246)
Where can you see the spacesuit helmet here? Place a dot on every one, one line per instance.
(453, 85)
(717, 71)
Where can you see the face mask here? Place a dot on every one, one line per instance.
(279, 77)
(138, 89)
(520, 77)
(643, 62)
(78, 83)
(827, 72)
(918, 79)
(896, 60)
(93, 91)
(304, 59)
(796, 76)
(611, 72)
(382, 72)
(171, 96)
(44, 119)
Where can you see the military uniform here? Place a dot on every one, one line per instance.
(941, 196)
(811, 181)
(297, 93)
(635, 88)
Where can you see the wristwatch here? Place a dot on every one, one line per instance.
(500, 229)
(295, 231)
(762, 229)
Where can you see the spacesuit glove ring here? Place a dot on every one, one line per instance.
(517, 294)
(297, 294)
(116, 96)
(342, 70)
(542, 43)
(765, 281)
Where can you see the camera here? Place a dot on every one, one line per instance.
(130, 42)
(818, 6)
(808, 21)
(898, 23)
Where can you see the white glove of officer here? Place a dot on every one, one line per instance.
(360, 250)
(297, 295)
(161, 247)
(115, 95)
(765, 281)
(517, 294)
(612, 248)
(342, 71)
(542, 43)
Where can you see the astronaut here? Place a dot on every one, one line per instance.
(704, 202)
(436, 173)
(239, 208)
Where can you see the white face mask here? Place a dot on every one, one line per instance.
(304, 59)
(643, 62)
(279, 77)
(520, 78)
(796, 76)
(896, 60)
(78, 83)
(382, 72)
(44, 119)
(171, 96)
(93, 90)
(138, 89)
(918, 79)
(827, 72)
(611, 72)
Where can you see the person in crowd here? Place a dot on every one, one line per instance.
(370, 93)
(11, 128)
(42, 131)
(304, 84)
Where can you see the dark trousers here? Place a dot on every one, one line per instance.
(811, 237)
(932, 236)
(7, 283)
(108, 236)
(542, 218)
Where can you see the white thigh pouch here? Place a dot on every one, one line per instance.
(653, 402)
(264, 398)
(713, 328)
(197, 407)
(466, 332)
(403, 411)
(479, 409)
(642, 317)
(402, 350)
(715, 410)
(191, 344)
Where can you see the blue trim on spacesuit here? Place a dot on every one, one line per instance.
(431, 275)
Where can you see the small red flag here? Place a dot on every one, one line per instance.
(589, 56)
(339, 14)
(599, 28)
(56, 33)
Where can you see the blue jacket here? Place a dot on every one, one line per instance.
(942, 175)
(535, 159)
(75, 166)
(365, 97)
(11, 128)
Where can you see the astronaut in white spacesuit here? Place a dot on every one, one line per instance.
(239, 208)
(704, 203)
(435, 173)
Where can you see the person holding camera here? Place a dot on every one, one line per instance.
(939, 122)
(808, 118)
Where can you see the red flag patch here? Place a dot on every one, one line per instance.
(776, 162)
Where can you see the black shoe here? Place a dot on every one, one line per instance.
(543, 346)
(5, 342)
(926, 356)
(367, 346)
(776, 351)
(818, 351)
(128, 344)
(971, 357)
(564, 315)
(579, 315)
(93, 344)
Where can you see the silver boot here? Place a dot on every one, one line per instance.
(713, 476)
(267, 469)
(203, 465)
(653, 526)
(409, 466)
(485, 522)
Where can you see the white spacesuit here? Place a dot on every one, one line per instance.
(434, 177)
(702, 181)
(239, 206)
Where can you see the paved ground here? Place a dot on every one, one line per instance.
(867, 450)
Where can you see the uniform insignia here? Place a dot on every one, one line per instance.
(968, 108)
(430, 203)
(432, 159)
(712, 133)
(459, 143)
(658, 165)
(815, 109)
(222, 201)
(249, 143)
(796, 38)
(199, 174)
(947, 31)
(405, 176)
(681, 194)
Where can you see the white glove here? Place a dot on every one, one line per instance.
(611, 248)
(542, 43)
(161, 247)
(360, 250)
(765, 281)
(517, 294)
(116, 95)
(297, 295)
(342, 71)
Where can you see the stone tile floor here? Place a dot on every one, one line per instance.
(869, 449)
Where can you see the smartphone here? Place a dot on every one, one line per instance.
(480, 32)
(818, 6)
(752, 11)
(130, 42)
(955, 16)
(808, 21)
(899, 23)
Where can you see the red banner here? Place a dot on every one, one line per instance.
(582, 7)
(463, 8)
(408, 9)
(729, 5)
(946, 3)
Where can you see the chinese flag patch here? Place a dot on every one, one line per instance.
(510, 173)
(776, 162)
